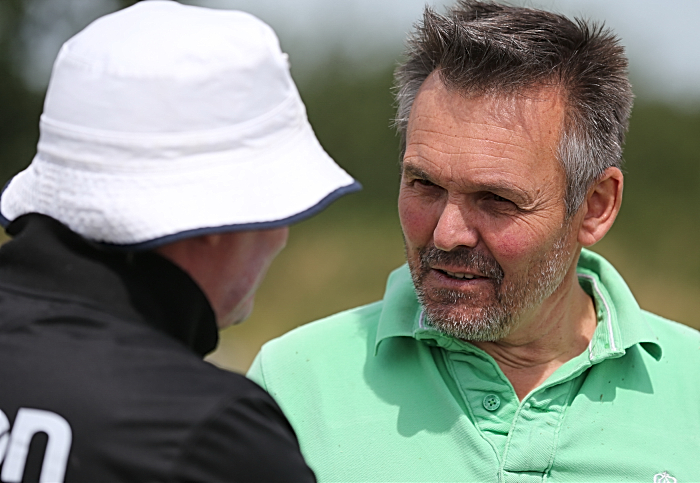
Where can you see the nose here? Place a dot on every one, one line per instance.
(453, 228)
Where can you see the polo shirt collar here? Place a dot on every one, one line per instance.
(401, 312)
(621, 322)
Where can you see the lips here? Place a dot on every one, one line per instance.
(457, 279)
(459, 268)
(448, 286)
(459, 275)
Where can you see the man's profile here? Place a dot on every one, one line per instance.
(174, 153)
(503, 350)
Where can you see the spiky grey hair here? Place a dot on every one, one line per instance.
(485, 48)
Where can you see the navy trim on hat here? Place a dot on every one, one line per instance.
(212, 230)
(263, 225)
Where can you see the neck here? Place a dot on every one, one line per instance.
(555, 332)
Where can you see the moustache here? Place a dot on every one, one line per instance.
(465, 258)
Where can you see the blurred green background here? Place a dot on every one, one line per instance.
(341, 258)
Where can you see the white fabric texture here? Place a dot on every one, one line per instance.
(164, 118)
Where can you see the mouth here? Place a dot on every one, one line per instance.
(461, 269)
(459, 275)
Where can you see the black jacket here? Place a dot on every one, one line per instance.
(102, 378)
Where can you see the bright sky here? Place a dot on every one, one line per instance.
(662, 38)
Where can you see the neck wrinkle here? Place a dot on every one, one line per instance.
(564, 328)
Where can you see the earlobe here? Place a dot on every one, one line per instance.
(601, 207)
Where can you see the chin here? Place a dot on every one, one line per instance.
(482, 324)
(235, 316)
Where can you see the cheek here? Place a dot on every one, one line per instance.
(518, 247)
(418, 222)
(522, 248)
(511, 246)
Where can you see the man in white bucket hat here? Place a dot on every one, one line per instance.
(174, 152)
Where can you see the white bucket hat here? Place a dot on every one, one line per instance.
(164, 121)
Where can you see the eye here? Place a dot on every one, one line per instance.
(423, 182)
(498, 201)
(418, 182)
(424, 188)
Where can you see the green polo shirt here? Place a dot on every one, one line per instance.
(376, 395)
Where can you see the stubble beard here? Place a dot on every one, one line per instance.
(461, 315)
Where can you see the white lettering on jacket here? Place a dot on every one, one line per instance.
(14, 445)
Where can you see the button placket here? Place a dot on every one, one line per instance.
(488, 395)
(533, 435)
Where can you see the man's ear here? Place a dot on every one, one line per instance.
(601, 207)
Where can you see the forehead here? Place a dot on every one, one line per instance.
(488, 136)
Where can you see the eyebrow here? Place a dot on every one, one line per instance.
(415, 172)
(507, 189)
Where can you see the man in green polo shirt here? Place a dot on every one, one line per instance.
(504, 350)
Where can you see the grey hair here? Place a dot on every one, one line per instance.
(484, 48)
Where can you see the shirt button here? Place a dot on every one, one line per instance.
(492, 402)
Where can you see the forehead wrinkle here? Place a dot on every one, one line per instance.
(514, 109)
(519, 115)
(460, 151)
(459, 126)
(465, 134)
